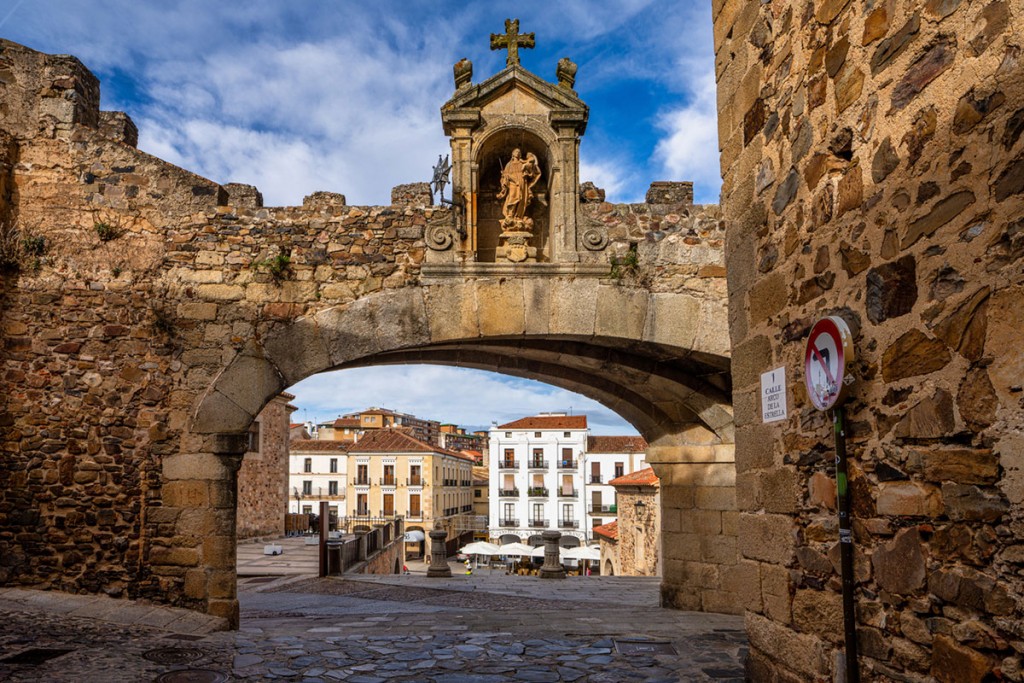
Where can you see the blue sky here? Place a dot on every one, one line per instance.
(304, 95)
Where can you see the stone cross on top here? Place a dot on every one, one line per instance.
(512, 40)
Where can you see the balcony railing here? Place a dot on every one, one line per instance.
(596, 479)
(537, 491)
(567, 464)
(508, 493)
(508, 522)
(387, 481)
(362, 481)
(414, 481)
(541, 523)
(568, 494)
(537, 464)
(508, 465)
(599, 509)
(415, 514)
(363, 512)
(568, 524)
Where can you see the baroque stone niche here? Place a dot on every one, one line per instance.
(515, 162)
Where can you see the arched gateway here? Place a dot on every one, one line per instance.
(168, 310)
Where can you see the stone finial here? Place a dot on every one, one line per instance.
(463, 73)
(566, 73)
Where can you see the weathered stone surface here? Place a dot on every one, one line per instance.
(849, 85)
(891, 289)
(994, 19)
(893, 47)
(900, 565)
(913, 354)
(964, 329)
(961, 465)
(977, 400)
(940, 9)
(884, 162)
(1010, 181)
(973, 504)
(786, 191)
(930, 418)
(941, 213)
(955, 663)
(973, 108)
(936, 59)
(819, 612)
(920, 134)
(908, 499)
(853, 260)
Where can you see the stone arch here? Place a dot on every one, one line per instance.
(658, 359)
(609, 570)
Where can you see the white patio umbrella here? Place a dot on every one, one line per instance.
(539, 552)
(583, 553)
(515, 550)
(480, 548)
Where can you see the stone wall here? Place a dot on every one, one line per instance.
(873, 169)
(120, 462)
(263, 475)
(639, 542)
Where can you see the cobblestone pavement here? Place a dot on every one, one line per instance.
(479, 629)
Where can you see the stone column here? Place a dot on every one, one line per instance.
(552, 568)
(438, 557)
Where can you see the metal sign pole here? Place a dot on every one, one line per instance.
(845, 546)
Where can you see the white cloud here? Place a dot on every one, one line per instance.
(470, 398)
(690, 147)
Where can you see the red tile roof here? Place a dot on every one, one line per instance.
(343, 422)
(609, 530)
(318, 445)
(644, 477)
(540, 422)
(616, 444)
(397, 441)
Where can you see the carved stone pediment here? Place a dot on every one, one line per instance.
(515, 162)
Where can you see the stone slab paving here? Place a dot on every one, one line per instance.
(478, 629)
(296, 558)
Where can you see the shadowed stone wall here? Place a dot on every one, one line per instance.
(263, 474)
(166, 311)
(873, 168)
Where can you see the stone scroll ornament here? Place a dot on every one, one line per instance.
(517, 180)
(439, 237)
(594, 239)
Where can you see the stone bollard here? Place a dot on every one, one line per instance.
(552, 568)
(438, 558)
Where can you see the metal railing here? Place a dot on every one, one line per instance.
(387, 481)
(596, 479)
(508, 493)
(508, 522)
(508, 465)
(567, 464)
(535, 523)
(568, 524)
(537, 464)
(537, 491)
(568, 494)
(414, 481)
(362, 481)
(595, 509)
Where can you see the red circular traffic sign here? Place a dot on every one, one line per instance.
(829, 350)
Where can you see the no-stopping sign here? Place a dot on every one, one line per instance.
(829, 350)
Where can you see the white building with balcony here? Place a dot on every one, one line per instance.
(607, 458)
(317, 471)
(536, 478)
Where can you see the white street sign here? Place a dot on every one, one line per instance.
(773, 395)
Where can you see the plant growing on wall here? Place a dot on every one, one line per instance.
(277, 266)
(625, 265)
(20, 249)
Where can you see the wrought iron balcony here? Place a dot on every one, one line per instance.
(414, 481)
(508, 522)
(568, 494)
(537, 492)
(387, 481)
(568, 524)
(606, 509)
(508, 465)
(538, 523)
(362, 481)
(537, 464)
(567, 464)
(508, 493)
(596, 479)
